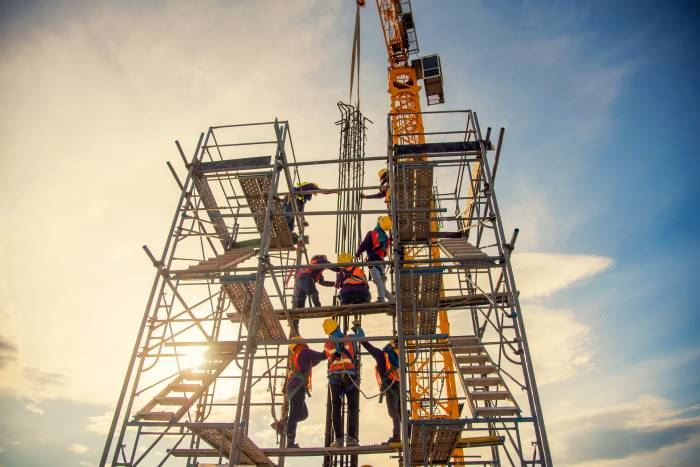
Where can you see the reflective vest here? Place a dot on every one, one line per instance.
(384, 188)
(301, 195)
(296, 373)
(354, 275)
(346, 361)
(377, 247)
(392, 372)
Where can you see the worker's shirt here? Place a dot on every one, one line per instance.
(316, 275)
(383, 188)
(300, 195)
(309, 358)
(368, 246)
(341, 283)
(378, 355)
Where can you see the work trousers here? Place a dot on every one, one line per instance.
(304, 287)
(288, 211)
(354, 296)
(340, 385)
(379, 278)
(297, 412)
(393, 405)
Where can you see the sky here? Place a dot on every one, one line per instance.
(600, 103)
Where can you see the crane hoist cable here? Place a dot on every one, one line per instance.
(355, 60)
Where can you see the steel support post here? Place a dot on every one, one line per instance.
(405, 413)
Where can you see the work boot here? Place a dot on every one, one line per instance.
(393, 439)
(338, 443)
(351, 442)
(292, 445)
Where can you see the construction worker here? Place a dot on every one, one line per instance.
(352, 282)
(383, 187)
(305, 285)
(387, 373)
(377, 244)
(342, 374)
(300, 194)
(301, 360)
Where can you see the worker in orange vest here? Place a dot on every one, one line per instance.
(301, 360)
(388, 377)
(377, 244)
(352, 282)
(383, 187)
(342, 376)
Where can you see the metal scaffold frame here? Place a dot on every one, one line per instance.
(222, 292)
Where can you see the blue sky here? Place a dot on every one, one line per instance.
(600, 103)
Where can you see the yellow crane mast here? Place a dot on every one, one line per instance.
(406, 121)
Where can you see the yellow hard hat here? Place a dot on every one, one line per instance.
(384, 222)
(381, 172)
(344, 258)
(294, 342)
(329, 325)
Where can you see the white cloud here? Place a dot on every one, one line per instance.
(33, 408)
(100, 423)
(77, 448)
(540, 275)
(629, 431)
(561, 345)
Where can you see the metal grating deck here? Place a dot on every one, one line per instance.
(241, 295)
(256, 189)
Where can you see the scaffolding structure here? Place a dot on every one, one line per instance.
(211, 354)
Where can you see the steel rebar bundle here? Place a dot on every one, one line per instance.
(351, 176)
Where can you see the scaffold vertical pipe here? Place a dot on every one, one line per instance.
(243, 407)
(532, 394)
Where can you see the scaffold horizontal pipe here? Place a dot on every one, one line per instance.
(237, 125)
(228, 145)
(464, 421)
(353, 338)
(428, 112)
(314, 213)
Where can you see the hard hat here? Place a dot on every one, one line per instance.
(329, 325)
(384, 222)
(294, 342)
(344, 258)
(319, 259)
(381, 172)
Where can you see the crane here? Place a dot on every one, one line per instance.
(396, 17)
